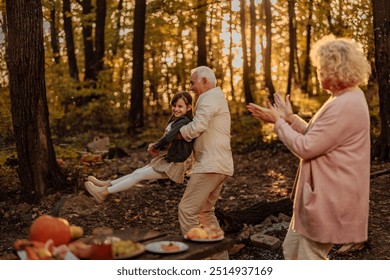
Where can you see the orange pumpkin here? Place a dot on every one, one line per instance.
(48, 227)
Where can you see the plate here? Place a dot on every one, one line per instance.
(139, 249)
(68, 256)
(205, 239)
(166, 247)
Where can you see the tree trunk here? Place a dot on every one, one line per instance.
(253, 24)
(216, 60)
(117, 29)
(292, 43)
(55, 45)
(328, 13)
(212, 53)
(381, 15)
(136, 118)
(153, 78)
(335, 22)
(89, 54)
(69, 41)
(247, 88)
(99, 35)
(268, 49)
(201, 32)
(306, 68)
(181, 61)
(38, 168)
(231, 69)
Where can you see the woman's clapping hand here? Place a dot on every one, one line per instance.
(280, 109)
(283, 106)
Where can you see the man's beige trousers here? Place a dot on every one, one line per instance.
(196, 207)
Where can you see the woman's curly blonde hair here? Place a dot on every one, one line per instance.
(341, 62)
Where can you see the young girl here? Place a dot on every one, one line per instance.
(170, 155)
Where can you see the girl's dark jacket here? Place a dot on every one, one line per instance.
(179, 150)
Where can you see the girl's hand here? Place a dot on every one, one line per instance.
(151, 150)
(283, 106)
(179, 136)
(270, 114)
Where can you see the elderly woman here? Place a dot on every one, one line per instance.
(331, 191)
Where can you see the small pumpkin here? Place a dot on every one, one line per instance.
(47, 227)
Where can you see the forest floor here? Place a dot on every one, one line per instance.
(260, 175)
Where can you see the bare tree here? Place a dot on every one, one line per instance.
(89, 54)
(201, 32)
(69, 40)
(381, 15)
(292, 43)
(101, 7)
(38, 168)
(117, 29)
(136, 118)
(253, 24)
(55, 45)
(267, 57)
(306, 67)
(231, 69)
(247, 88)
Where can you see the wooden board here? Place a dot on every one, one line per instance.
(137, 234)
(196, 251)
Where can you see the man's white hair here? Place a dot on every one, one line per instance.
(205, 72)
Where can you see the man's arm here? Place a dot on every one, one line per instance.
(171, 134)
(199, 123)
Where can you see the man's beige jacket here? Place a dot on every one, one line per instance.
(211, 128)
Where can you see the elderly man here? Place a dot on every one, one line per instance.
(213, 162)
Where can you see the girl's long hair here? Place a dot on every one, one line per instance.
(187, 98)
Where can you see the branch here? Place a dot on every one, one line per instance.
(379, 173)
